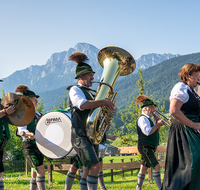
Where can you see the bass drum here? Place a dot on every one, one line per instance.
(53, 135)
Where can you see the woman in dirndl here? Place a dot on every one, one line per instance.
(182, 164)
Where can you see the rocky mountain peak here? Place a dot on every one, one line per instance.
(59, 71)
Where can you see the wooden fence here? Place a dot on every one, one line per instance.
(15, 165)
(124, 166)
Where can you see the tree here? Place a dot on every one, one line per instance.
(13, 149)
(40, 106)
(130, 118)
(3, 92)
(62, 105)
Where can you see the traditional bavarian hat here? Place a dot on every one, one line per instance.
(147, 102)
(31, 94)
(144, 101)
(25, 91)
(82, 67)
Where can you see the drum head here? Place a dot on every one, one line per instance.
(53, 135)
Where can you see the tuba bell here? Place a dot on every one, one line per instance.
(116, 62)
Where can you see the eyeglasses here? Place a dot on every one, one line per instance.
(196, 75)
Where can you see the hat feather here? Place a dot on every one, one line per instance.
(22, 88)
(78, 57)
(141, 98)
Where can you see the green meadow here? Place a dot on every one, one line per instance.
(19, 181)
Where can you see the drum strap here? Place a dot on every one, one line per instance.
(84, 87)
(37, 117)
(88, 89)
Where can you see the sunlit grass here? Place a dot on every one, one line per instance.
(19, 181)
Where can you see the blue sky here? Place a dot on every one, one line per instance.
(32, 30)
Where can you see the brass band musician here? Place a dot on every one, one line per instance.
(4, 136)
(148, 140)
(30, 150)
(183, 148)
(81, 102)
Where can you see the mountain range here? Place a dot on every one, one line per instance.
(160, 71)
(160, 80)
(60, 72)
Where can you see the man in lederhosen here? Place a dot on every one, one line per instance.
(30, 150)
(4, 136)
(148, 140)
(81, 102)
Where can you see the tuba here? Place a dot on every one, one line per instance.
(116, 62)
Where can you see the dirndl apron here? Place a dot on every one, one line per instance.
(182, 164)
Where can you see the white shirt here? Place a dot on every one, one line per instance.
(145, 124)
(77, 96)
(24, 128)
(180, 92)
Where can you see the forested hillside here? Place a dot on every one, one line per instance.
(160, 80)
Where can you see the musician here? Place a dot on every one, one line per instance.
(81, 102)
(148, 140)
(4, 136)
(29, 148)
(183, 148)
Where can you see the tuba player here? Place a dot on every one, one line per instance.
(81, 102)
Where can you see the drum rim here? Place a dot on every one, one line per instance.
(38, 143)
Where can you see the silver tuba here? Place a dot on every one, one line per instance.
(116, 62)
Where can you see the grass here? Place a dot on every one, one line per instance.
(19, 181)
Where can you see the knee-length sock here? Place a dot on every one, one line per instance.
(1, 185)
(83, 184)
(33, 184)
(101, 181)
(140, 181)
(92, 182)
(69, 180)
(156, 176)
(40, 182)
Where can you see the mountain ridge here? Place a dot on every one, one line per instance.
(58, 71)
